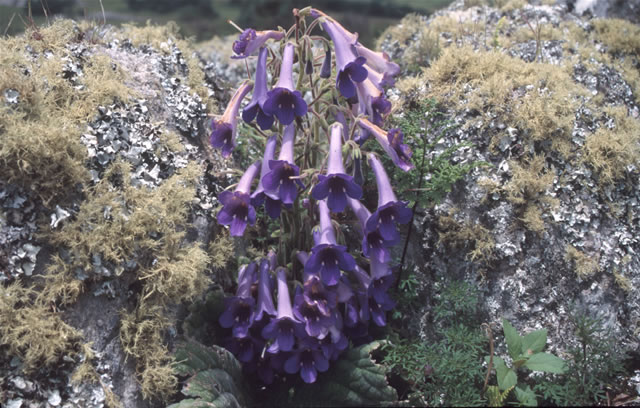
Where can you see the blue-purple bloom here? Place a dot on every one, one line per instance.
(278, 183)
(283, 101)
(381, 69)
(223, 135)
(237, 210)
(327, 258)
(283, 329)
(373, 244)
(336, 186)
(325, 70)
(245, 348)
(265, 305)
(254, 108)
(271, 205)
(239, 312)
(307, 359)
(250, 40)
(392, 142)
(390, 211)
(316, 322)
(349, 65)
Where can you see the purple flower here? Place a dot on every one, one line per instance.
(237, 210)
(336, 185)
(224, 130)
(250, 40)
(283, 101)
(349, 65)
(391, 142)
(308, 359)
(271, 206)
(371, 101)
(254, 108)
(325, 70)
(285, 327)
(374, 296)
(316, 294)
(379, 65)
(336, 342)
(238, 310)
(390, 211)
(317, 322)
(278, 183)
(265, 301)
(373, 244)
(327, 258)
(244, 348)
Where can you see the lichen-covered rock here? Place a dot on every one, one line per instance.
(551, 101)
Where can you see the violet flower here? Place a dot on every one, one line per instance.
(327, 258)
(336, 186)
(223, 135)
(285, 327)
(238, 310)
(250, 40)
(374, 295)
(316, 322)
(316, 294)
(237, 210)
(283, 101)
(325, 70)
(391, 142)
(271, 205)
(379, 64)
(255, 107)
(390, 211)
(244, 348)
(278, 183)
(265, 301)
(373, 244)
(373, 102)
(308, 359)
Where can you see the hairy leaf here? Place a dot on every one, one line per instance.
(546, 362)
(354, 380)
(534, 342)
(514, 340)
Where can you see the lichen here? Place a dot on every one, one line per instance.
(584, 265)
(473, 236)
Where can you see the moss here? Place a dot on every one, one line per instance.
(473, 236)
(583, 264)
(221, 250)
(510, 5)
(622, 281)
(620, 36)
(611, 150)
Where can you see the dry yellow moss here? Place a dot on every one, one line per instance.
(620, 36)
(610, 151)
(221, 250)
(584, 265)
(473, 236)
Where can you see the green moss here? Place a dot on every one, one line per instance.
(611, 151)
(584, 265)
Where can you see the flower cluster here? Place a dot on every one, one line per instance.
(339, 290)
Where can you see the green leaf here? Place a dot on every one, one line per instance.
(526, 397)
(215, 377)
(353, 380)
(534, 342)
(546, 362)
(514, 341)
(506, 376)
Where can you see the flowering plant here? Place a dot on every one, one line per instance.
(321, 114)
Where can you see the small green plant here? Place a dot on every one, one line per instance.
(525, 352)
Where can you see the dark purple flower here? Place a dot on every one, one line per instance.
(380, 108)
(336, 342)
(278, 183)
(316, 322)
(283, 101)
(265, 305)
(245, 348)
(254, 108)
(250, 40)
(307, 359)
(373, 244)
(336, 186)
(325, 71)
(374, 292)
(390, 211)
(349, 66)
(271, 206)
(391, 142)
(316, 294)
(238, 310)
(284, 329)
(327, 258)
(223, 135)
(237, 210)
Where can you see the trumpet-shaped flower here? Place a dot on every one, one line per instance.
(265, 305)
(271, 205)
(237, 210)
(255, 107)
(391, 142)
(278, 183)
(283, 101)
(283, 329)
(223, 135)
(307, 359)
(327, 258)
(373, 244)
(379, 65)
(325, 70)
(390, 211)
(250, 40)
(336, 186)
(238, 311)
